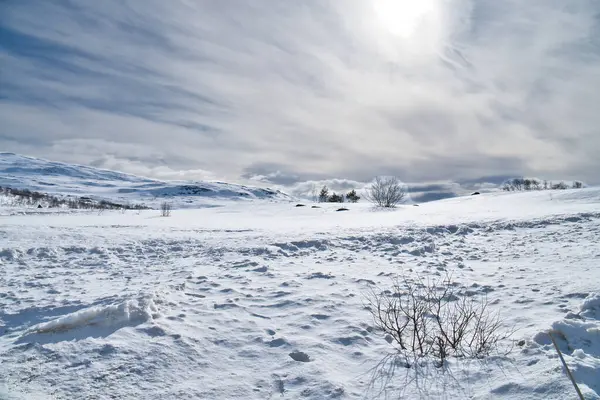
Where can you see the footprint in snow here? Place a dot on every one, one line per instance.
(320, 275)
(299, 356)
(278, 342)
(365, 281)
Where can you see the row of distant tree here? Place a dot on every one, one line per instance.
(383, 192)
(389, 191)
(326, 197)
(25, 197)
(524, 184)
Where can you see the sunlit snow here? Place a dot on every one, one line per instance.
(260, 300)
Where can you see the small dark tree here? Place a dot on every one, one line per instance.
(336, 198)
(352, 196)
(577, 185)
(324, 195)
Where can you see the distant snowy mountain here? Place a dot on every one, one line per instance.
(21, 172)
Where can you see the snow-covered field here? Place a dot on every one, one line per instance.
(218, 303)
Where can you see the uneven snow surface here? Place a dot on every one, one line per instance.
(266, 301)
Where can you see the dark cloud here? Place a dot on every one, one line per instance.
(495, 179)
(427, 187)
(431, 196)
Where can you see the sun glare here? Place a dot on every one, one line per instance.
(403, 17)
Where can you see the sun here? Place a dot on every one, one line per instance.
(403, 17)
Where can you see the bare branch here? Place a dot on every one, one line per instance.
(165, 209)
(433, 318)
(385, 192)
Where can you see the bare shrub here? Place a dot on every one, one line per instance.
(435, 319)
(165, 209)
(314, 193)
(385, 192)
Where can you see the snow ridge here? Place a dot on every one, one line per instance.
(35, 174)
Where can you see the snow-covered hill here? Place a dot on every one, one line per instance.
(259, 300)
(17, 171)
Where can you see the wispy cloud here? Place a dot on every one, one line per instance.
(313, 89)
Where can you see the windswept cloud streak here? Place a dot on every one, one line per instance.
(312, 89)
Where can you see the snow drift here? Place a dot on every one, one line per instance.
(94, 321)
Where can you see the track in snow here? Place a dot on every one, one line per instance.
(127, 310)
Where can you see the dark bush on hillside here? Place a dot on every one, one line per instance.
(560, 186)
(25, 197)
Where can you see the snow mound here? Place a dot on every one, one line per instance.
(578, 337)
(95, 321)
(591, 306)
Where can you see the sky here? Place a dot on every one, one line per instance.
(435, 92)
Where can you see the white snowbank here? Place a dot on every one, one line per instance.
(591, 306)
(578, 337)
(125, 313)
